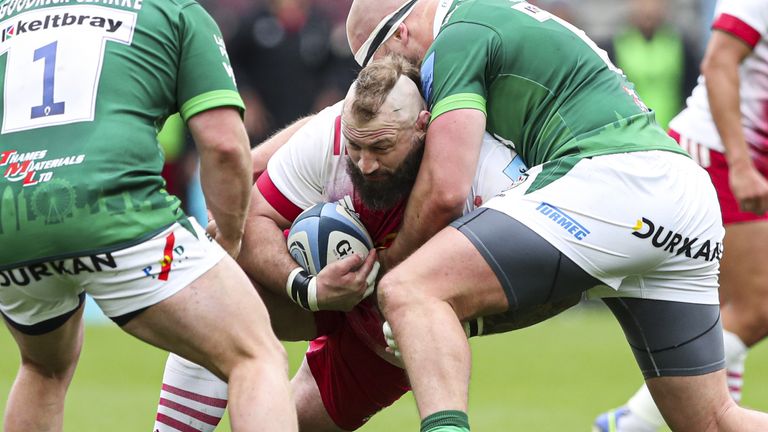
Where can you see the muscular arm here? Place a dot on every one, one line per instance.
(261, 153)
(265, 256)
(721, 70)
(225, 171)
(443, 183)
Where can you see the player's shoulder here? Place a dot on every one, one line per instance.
(324, 130)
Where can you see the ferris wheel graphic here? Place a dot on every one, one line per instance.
(53, 201)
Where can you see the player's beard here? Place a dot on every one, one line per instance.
(386, 193)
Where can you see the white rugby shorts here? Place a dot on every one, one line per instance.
(647, 224)
(120, 282)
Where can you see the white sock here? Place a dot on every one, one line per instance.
(192, 398)
(735, 356)
(643, 415)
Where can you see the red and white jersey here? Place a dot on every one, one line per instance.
(748, 21)
(311, 168)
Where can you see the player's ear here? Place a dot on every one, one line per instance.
(401, 34)
(422, 121)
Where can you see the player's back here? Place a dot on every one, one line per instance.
(87, 85)
(543, 83)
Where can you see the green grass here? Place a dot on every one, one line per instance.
(553, 377)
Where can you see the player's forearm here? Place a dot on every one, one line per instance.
(264, 255)
(722, 80)
(226, 185)
(429, 210)
(720, 68)
(225, 168)
(445, 178)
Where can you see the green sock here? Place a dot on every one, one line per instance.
(446, 421)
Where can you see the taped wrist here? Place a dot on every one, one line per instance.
(302, 289)
(474, 327)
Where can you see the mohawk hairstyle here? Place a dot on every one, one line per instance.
(376, 81)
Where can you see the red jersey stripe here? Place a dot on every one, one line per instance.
(740, 29)
(276, 199)
(337, 136)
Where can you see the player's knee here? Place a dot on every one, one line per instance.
(393, 294)
(756, 321)
(55, 370)
(272, 352)
(259, 347)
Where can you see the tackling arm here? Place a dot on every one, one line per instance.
(443, 183)
(224, 171)
(721, 70)
(265, 256)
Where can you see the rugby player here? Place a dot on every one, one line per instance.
(84, 208)
(611, 205)
(725, 129)
(347, 375)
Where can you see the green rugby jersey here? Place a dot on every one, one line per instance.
(542, 83)
(87, 84)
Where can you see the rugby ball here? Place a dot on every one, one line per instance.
(325, 233)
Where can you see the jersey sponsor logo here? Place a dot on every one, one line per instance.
(8, 33)
(30, 168)
(516, 169)
(564, 220)
(676, 243)
(56, 20)
(223, 51)
(168, 259)
(23, 276)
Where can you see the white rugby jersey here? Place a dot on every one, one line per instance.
(748, 21)
(311, 168)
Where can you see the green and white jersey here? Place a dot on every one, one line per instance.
(542, 83)
(86, 85)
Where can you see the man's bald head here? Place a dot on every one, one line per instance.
(364, 16)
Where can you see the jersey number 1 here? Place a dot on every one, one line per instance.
(51, 77)
(49, 107)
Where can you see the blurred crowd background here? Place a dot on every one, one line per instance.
(291, 59)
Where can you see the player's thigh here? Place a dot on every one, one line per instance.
(309, 404)
(743, 269)
(450, 268)
(354, 382)
(670, 338)
(218, 316)
(55, 351)
(691, 403)
(43, 309)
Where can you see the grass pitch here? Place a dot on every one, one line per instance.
(553, 377)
